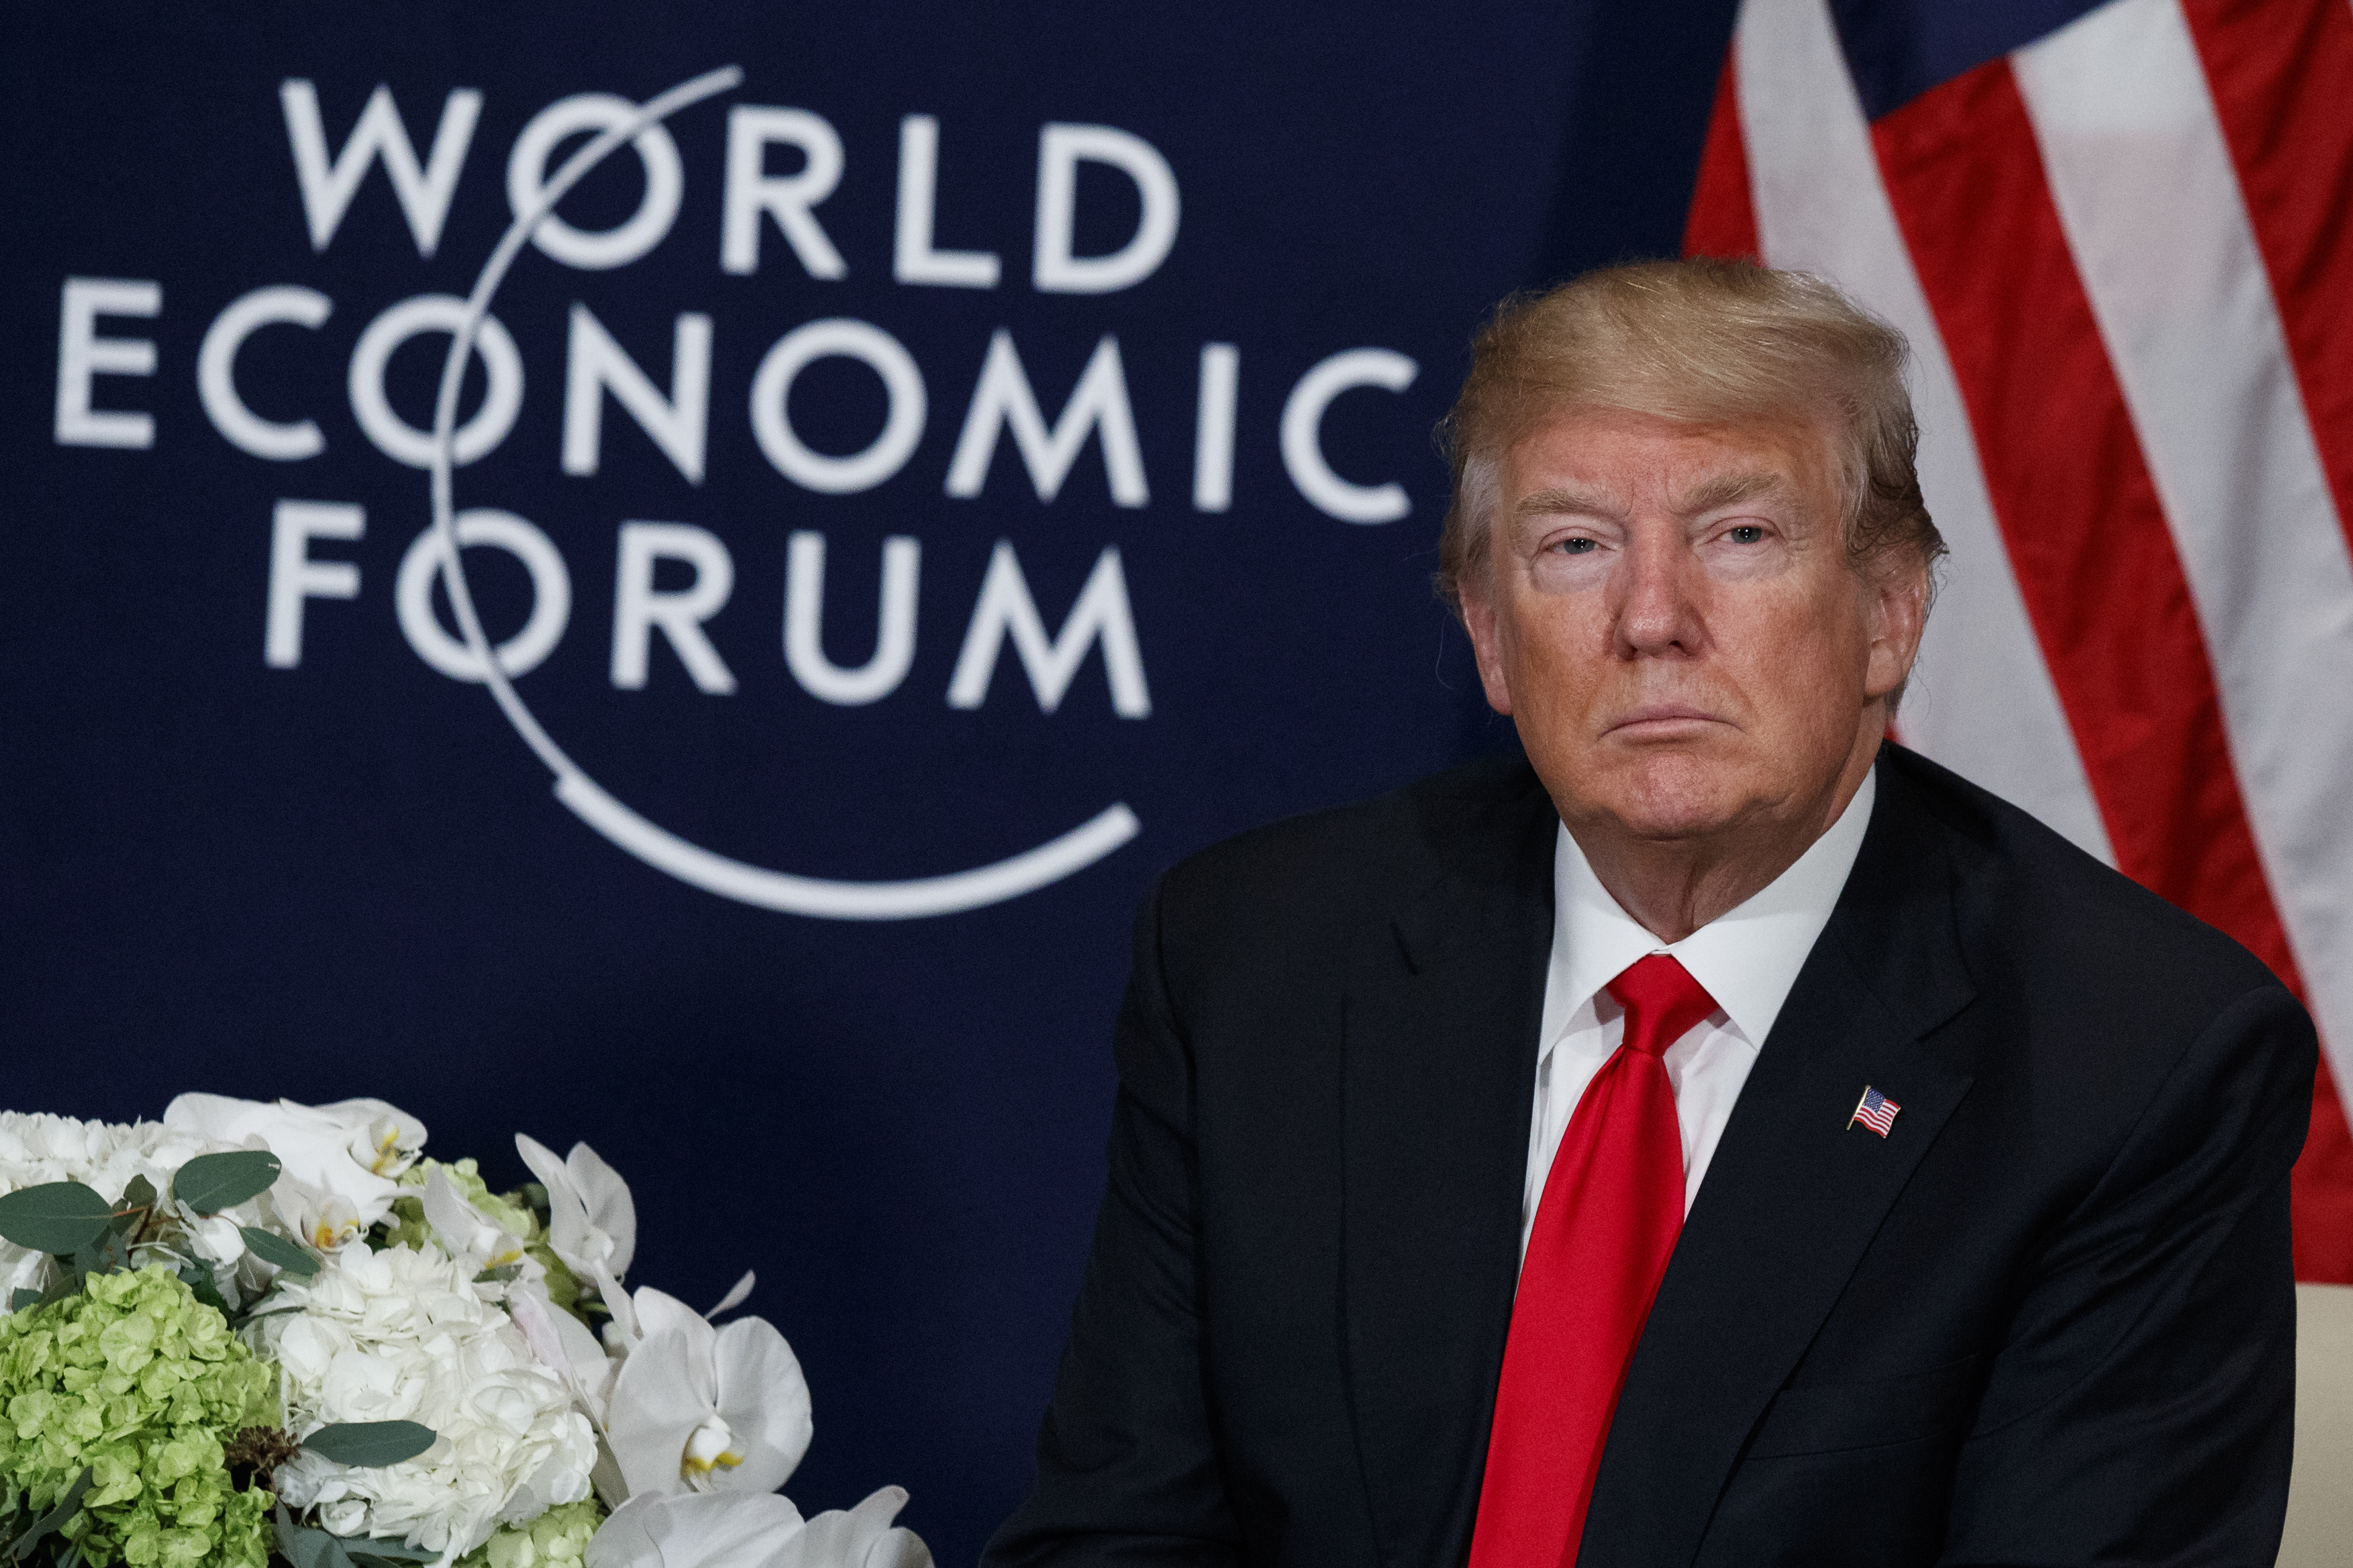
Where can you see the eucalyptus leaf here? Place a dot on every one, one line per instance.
(20, 1300)
(110, 1254)
(211, 1183)
(367, 1444)
(283, 1527)
(137, 1207)
(54, 1217)
(373, 1550)
(307, 1548)
(272, 1247)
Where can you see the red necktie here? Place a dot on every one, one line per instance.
(1612, 1206)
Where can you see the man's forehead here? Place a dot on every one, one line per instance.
(1612, 461)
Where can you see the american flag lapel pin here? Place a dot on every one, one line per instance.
(1875, 1110)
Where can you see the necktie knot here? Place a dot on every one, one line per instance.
(1662, 1002)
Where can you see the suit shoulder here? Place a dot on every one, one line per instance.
(2046, 895)
(1365, 852)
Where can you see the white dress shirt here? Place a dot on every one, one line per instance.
(1748, 958)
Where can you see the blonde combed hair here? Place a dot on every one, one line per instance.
(1703, 342)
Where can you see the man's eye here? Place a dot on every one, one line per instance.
(1747, 534)
(1578, 546)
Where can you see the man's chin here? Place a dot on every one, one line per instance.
(1659, 799)
(1676, 822)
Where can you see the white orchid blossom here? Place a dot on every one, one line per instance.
(737, 1294)
(468, 1235)
(324, 1220)
(592, 1221)
(383, 1138)
(587, 1368)
(696, 1409)
(341, 1162)
(860, 1537)
(754, 1530)
(623, 1335)
(700, 1530)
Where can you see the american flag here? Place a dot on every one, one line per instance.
(1875, 1110)
(2123, 252)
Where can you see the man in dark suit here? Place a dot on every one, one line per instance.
(1724, 1138)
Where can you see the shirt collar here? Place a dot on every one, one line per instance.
(1748, 958)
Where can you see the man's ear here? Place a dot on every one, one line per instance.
(1898, 611)
(1479, 619)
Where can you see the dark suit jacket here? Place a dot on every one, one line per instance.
(2047, 1320)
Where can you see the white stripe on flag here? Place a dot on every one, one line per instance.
(2151, 206)
(1982, 702)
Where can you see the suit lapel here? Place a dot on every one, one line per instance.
(1443, 1007)
(1792, 1197)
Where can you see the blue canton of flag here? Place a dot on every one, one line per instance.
(1875, 1110)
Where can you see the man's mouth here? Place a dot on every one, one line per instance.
(1661, 721)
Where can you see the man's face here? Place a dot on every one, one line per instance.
(1669, 617)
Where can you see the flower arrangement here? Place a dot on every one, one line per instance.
(269, 1335)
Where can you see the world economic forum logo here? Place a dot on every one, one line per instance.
(598, 368)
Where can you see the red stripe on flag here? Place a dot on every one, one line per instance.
(2086, 534)
(2282, 74)
(1722, 217)
(2073, 494)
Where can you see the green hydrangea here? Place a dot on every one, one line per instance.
(557, 1539)
(141, 1384)
(511, 1212)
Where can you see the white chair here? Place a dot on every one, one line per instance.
(2320, 1494)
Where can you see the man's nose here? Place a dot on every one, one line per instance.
(1657, 613)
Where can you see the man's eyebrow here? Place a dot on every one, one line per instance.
(1723, 489)
(1558, 499)
(1727, 489)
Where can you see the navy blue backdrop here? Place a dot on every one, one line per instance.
(252, 841)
